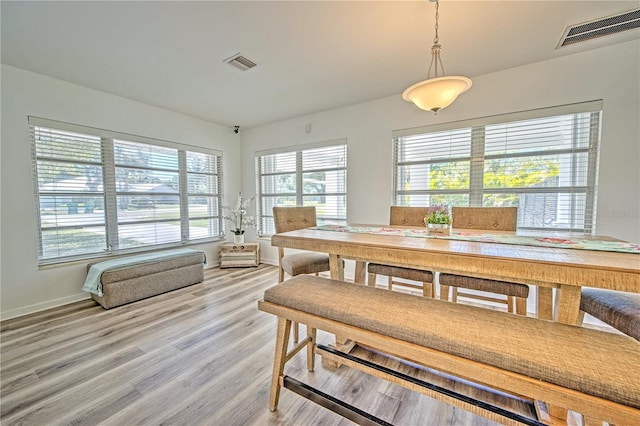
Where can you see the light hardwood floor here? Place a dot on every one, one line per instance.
(201, 355)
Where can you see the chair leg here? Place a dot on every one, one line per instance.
(296, 333)
(444, 292)
(427, 289)
(454, 294)
(581, 317)
(311, 360)
(510, 303)
(390, 283)
(371, 279)
(521, 305)
(279, 359)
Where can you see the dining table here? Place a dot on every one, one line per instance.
(548, 260)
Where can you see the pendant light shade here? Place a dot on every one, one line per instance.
(436, 93)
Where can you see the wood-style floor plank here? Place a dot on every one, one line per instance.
(200, 355)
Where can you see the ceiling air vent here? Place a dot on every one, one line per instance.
(601, 27)
(241, 62)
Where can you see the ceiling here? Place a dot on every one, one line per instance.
(312, 55)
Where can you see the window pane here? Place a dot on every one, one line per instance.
(70, 194)
(202, 184)
(137, 154)
(71, 242)
(522, 172)
(546, 166)
(148, 234)
(279, 184)
(309, 177)
(87, 185)
(328, 207)
(204, 228)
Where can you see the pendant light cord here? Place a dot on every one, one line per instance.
(435, 49)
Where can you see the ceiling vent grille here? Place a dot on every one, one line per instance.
(241, 62)
(601, 27)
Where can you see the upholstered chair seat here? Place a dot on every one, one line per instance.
(305, 263)
(618, 309)
(512, 290)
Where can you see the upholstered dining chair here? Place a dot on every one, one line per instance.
(619, 309)
(290, 219)
(485, 218)
(407, 216)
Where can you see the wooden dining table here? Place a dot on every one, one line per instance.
(548, 268)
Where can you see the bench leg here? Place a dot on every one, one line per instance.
(311, 359)
(279, 359)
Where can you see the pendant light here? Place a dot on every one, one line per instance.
(438, 92)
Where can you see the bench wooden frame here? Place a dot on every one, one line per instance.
(591, 407)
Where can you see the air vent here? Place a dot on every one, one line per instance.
(600, 27)
(241, 62)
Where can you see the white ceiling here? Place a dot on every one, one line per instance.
(313, 55)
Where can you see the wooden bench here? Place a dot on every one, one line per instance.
(133, 278)
(591, 372)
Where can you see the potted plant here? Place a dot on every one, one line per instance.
(438, 220)
(237, 215)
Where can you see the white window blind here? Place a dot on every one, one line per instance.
(544, 162)
(311, 175)
(100, 192)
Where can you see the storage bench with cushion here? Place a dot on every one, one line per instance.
(118, 281)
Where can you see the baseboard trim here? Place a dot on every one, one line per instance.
(43, 306)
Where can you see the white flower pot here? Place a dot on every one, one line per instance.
(438, 229)
(238, 238)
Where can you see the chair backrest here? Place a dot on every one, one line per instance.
(407, 216)
(291, 218)
(490, 218)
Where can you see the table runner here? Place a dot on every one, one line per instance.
(476, 236)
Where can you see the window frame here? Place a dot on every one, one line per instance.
(112, 224)
(299, 172)
(477, 156)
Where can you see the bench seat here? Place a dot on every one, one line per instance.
(588, 371)
(140, 279)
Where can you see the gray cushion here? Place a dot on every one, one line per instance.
(480, 284)
(591, 361)
(618, 309)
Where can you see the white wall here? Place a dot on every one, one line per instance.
(611, 74)
(24, 287)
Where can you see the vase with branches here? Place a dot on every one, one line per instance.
(239, 218)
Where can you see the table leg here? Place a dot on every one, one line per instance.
(337, 273)
(545, 303)
(337, 267)
(359, 277)
(567, 309)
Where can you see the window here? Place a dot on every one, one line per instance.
(543, 161)
(101, 192)
(311, 175)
